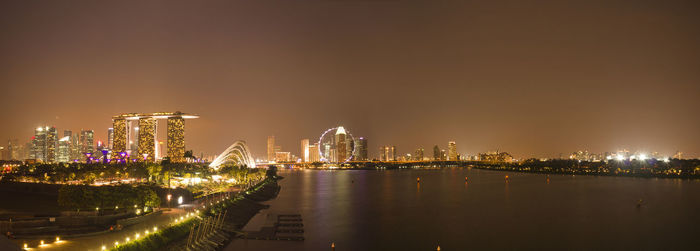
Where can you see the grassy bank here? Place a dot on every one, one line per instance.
(240, 209)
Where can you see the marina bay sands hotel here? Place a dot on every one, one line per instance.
(146, 130)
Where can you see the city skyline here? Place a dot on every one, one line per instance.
(421, 74)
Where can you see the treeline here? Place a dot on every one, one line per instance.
(76, 197)
(674, 168)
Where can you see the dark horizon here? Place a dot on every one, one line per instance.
(532, 79)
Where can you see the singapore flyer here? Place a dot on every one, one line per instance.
(336, 145)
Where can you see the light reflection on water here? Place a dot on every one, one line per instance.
(389, 210)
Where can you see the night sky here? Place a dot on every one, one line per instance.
(534, 78)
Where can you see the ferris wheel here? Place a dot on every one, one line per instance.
(336, 145)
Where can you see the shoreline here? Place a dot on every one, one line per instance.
(632, 175)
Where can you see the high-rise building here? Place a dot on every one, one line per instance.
(443, 154)
(64, 145)
(13, 148)
(176, 139)
(452, 151)
(87, 141)
(39, 144)
(314, 156)
(387, 153)
(119, 130)
(341, 144)
(51, 143)
(271, 148)
(304, 150)
(110, 138)
(437, 155)
(361, 149)
(75, 153)
(418, 155)
(147, 138)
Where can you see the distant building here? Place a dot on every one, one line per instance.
(304, 153)
(283, 156)
(443, 154)
(437, 155)
(418, 155)
(110, 138)
(678, 155)
(496, 157)
(361, 149)
(64, 148)
(452, 151)
(387, 153)
(314, 155)
(271, 148)
(341, 144)
(147, 139)
(39, 144)
(87, 141)
(176, 139)
(51, 143)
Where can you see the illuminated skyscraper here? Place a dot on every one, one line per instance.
(341, 144)
(304, 150)
(87, 141)
(176, 139)
(314, 156)
(51, 143)
(361, 149)
(119, 129)
(147, 138)
(64, 145)
(39, 144)
(387, 153)
(110, 138)
(271, 148)
(452, 151)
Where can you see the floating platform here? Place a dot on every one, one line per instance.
(287, 227)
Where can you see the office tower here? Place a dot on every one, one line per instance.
(392, 152)
(452, 151)
(361, 149)
(39, 144)
(387, 153)
(176, 139)
(304, 150)
(382, 153)
(270, 148)
(87, 141)
(437, 155)
(51, 142)
(147, 138)
(119, 130)
(110, 138)
(314, 156)
(341, 144)
(64, 145)
(14, 149)
(443, 154)
(75, 153)
(418, 155)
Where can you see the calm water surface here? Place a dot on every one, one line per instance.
(388, 210)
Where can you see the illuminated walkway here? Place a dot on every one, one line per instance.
(96, 242)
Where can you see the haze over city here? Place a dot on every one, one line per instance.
(535, 79)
